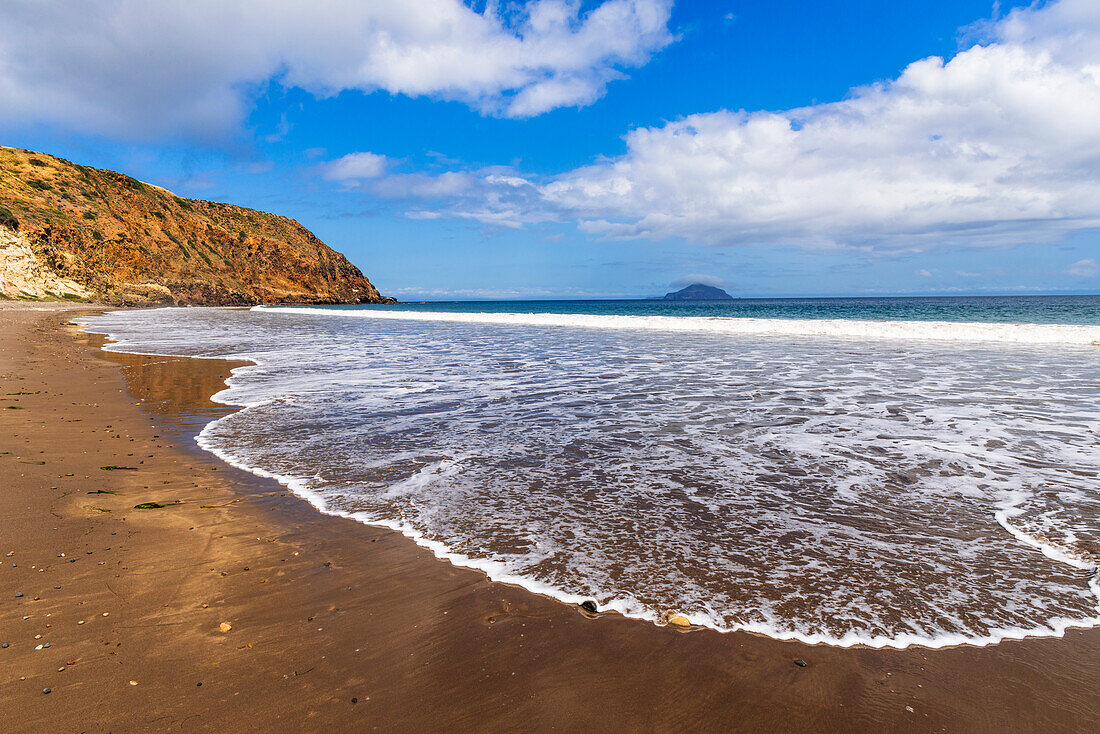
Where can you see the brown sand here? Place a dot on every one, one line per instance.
(337, 626)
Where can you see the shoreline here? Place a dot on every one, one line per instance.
(498, 574)
(325, 610)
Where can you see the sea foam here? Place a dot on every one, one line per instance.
(1003, 333)
(827, 490)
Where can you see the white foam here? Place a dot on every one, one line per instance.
(632, 608)
(1006, 333)
(809, 441)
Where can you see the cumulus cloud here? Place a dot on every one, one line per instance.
(998, 145)
(354, 167)
(1087, 268)
(139, 68)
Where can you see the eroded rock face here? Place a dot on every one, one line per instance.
(112, 238)
(22, 276)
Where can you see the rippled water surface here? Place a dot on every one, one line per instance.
(866, 485)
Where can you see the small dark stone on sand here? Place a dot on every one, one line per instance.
(800, 663)
(18, 594)
(199, 683)
(355, 700)
(6, 645)
(47, 690)
(589, 606)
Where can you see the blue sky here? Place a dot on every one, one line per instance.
(613, 148)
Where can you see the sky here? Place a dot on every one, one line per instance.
(611, 148)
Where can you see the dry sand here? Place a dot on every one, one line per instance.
(336, 626)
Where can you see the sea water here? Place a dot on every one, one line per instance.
(883, 472)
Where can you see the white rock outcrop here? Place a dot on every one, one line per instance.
(22, 276)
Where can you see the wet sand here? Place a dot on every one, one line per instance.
(337, 626)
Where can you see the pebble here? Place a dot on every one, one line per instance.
(133, 682)
(19, 595)
(81, 622)
(225, 626)
(105, 614)
(5, 645)
(800, 663)
(589, 606)
(47, 690)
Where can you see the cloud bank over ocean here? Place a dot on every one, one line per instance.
(996, 146)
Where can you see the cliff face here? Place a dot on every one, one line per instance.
(70, 231)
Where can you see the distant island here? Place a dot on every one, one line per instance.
(699, 292)
(76, 233)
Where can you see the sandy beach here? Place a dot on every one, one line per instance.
(235, 606)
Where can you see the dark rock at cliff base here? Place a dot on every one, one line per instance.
(699, 292)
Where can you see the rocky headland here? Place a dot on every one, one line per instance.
(76, 233)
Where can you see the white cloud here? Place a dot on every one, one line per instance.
(1087, 268)
(495, 196)
(924, 273)
(139, 68)
(998, 146)
(355, 167)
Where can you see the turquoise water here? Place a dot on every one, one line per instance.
(1084, 310)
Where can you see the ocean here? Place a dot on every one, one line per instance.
(884, 472)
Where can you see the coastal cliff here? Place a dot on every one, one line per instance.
(71, 232)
